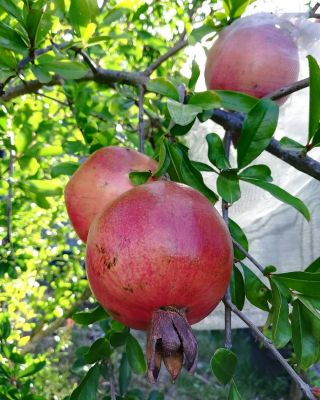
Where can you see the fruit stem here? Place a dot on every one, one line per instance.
(170, 339)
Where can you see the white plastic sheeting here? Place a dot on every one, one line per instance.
(278, 235)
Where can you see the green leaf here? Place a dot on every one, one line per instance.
(89, 317)
(235, 8)
(237, 288)
(178, 130)
(155, 395)
(43, 187)
(239, 236)
(5, 328)
(42, 75)
(115, 14)
(82, 12)
(228, 186)
(124, 375)
(11, 39)
(87, 390)
(8, 59)
(99, 350)
(65, 168)
(135, 355)
(139, 177)
(260, 172)
(236, 101)
(22, 139)
(182, 114)
(195, 73)
(65, 68)
(233, 392)
(32, 23)
(202, 166)
(281, 195)
(216, 152)
(185, 172)
(281, 329)
(163, 87)
(11, 8)
(306, 345)
(198, 33)
(164, 159)
(314, 266)
(287, 143)
(223, 365)
(307, 283)
(314, 105)
(257, 131)
(31, 369)
(256, 291)
(206, 100)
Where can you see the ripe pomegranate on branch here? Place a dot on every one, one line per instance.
(255, 55)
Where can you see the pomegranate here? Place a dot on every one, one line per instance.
(102, 178)
(254, 55)
(159, 258)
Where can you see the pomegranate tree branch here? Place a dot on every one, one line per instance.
(249, 256)
(141, 119)
(227, 296)
(285, 91)
(181, 43)
(305, 388)
(41, 334)
(301, 162)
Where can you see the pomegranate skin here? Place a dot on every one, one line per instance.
(255, 55)
(160, 244)
(102, 178)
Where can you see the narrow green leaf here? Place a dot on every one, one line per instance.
(216, 152)
(239, 236)
(89, 317)
(182, 114)
(139, 177)
(82, 12)
(31, 369)
(87, 390)
(65, 68)
(124, 375)
(198, 33)
(163, 87)
(135, 355)
(164, 159)
(235, 8)
(257, 131)
(99, 350)
(11, 39)
(228, 186)
(206, 100)
(195, 73)
(256, 291)
(307, 283)
(314, 105)
(236, 101)
(287, 143)
(237, 288)
(8, 59)
(202, 167)
(233, 392)
(32, 23)
(65, 168)
(306, 345)
(5, 328)
(314, 266)
(260, 172)
(281, 195)
(11, 8)
(281, 329)
(43, 187)
(223, 365)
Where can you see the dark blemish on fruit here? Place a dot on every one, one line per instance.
(110, 263)
(100, 249)
(128, 289)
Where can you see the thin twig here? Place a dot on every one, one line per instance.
(227, 296)
(91, 64)
(249, 256)
(306, 389)
(285, 91)
(40, 335)
(181, 43)
(141, 118)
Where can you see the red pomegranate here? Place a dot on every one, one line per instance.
(102, 178)
(158, 258)
(254, 55)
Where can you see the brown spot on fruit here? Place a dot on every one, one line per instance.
(128, 289)
(110, 262)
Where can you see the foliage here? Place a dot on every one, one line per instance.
(70, 76)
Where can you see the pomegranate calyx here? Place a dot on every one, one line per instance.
(170, 339)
